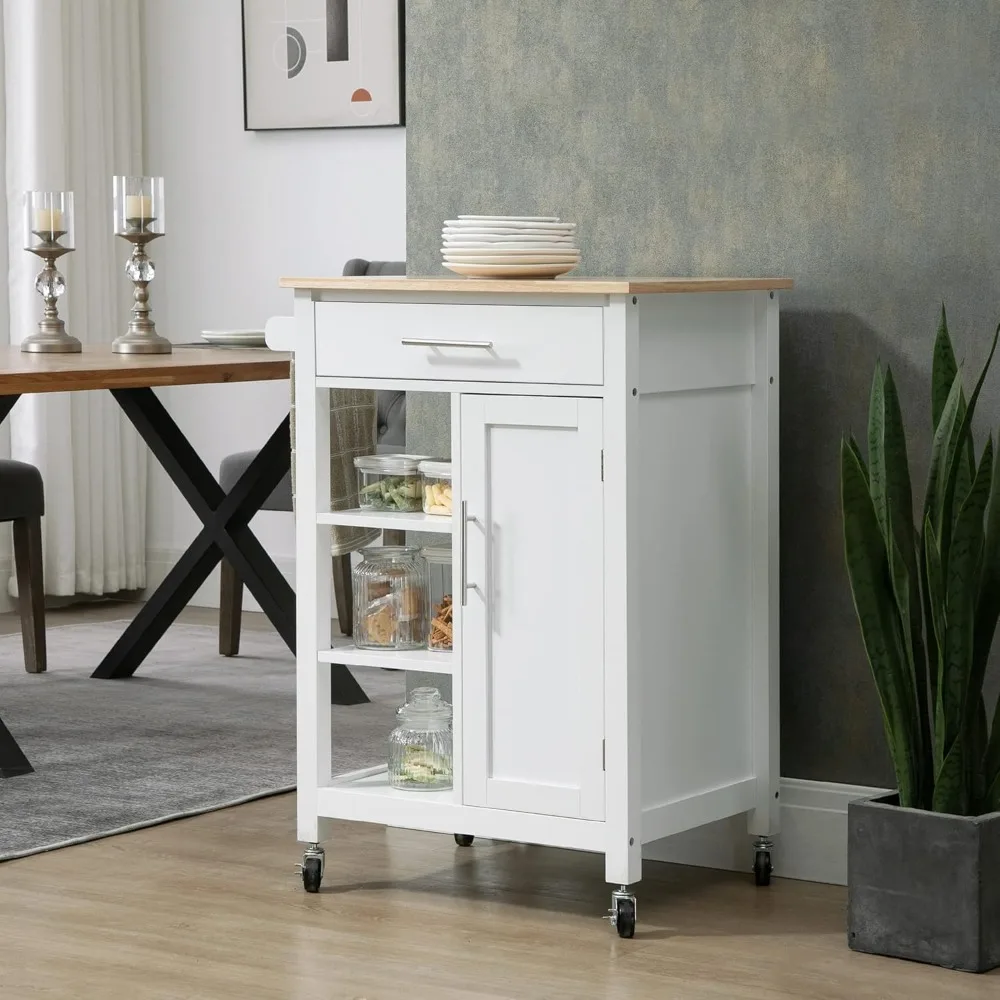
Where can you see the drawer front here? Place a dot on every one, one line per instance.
(563, 345)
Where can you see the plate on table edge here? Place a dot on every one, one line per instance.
(510, 270)
(244, 338)
(530, 241)
(511, 252)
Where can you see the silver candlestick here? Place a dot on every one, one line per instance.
(139, 219)
(49, 234)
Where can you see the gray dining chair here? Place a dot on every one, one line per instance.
(391, 436)
(22, 502)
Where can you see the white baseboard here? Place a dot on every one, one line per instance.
(159, 562)
(812, 844)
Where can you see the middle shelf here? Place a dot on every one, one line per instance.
(388, 520)
(429, 661)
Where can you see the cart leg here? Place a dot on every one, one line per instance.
(762, 860)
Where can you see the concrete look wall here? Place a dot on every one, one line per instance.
(852, 145)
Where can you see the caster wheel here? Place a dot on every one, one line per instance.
(312, 874)
(625, 919)
(762, 868)
(464, 839)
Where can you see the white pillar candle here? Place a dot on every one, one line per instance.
(48, 220)
(138, 206)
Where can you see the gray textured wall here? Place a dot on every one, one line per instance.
(850, 144)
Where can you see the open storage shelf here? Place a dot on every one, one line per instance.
(429, 661)
(388, 520)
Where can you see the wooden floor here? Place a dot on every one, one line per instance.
(211, 908)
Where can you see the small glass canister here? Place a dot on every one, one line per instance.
(389, 482)
(390, 598)
(441, 628)
(437, 487)
(420, 747)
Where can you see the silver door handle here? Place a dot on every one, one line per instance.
(482, 345)
(466, 586)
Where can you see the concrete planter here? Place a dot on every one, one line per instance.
(923, 886)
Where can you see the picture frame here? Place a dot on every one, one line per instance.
(323, 64)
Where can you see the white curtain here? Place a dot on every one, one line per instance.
(72, 99)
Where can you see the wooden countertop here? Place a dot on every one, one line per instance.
(550, 286)
(98, 368)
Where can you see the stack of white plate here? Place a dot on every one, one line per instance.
(509, 246)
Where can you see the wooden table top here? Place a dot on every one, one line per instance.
(98, 368)
(537, 286)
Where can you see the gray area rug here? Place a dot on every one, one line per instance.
(192, 731)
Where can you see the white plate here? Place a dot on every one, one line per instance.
(513, 218)
(508, 238)
(540, 258)
(510, 270)
(508, 224)
(244, 338)
(517, 251)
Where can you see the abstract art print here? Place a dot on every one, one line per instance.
(322, 63)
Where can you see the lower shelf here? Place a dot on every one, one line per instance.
(367, 797)
(430, 661)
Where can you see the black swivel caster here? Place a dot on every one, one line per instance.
(762, 867)
(622, 912)
(313, 863)
(464, 839)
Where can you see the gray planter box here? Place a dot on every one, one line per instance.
(923, 886)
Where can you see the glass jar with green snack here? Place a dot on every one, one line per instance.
(390, 482)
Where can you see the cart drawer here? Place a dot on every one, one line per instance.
(563, 345)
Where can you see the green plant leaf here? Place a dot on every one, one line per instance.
(988, 601)
(940, 462)
(975, 759)
(960, 456)
(949, 788)
(991, 766)
(881, 629)
(936, 629)
(943, 370)
(877, 485)
(961, 594)
(855, 448)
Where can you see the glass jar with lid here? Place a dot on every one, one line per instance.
(389, 482)
(420, 747)
(440, 634)
(436, 478)
(390, 598)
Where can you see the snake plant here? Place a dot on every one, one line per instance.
(927, 595)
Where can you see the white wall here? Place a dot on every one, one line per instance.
(244, 208)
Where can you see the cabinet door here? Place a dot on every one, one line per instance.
(533, 624)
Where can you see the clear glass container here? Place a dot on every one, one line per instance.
(48, 220)
(139, 206)
(436, 481)
(390, 598)
(440, 629)
(420, 747)
(389, 482)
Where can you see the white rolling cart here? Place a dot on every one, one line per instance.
(615, 543)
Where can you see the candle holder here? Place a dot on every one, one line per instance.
(49, 233)
(139, 218)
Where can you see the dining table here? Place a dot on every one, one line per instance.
(225, 517)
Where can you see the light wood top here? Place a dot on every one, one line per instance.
(537, 286)
(98, 368)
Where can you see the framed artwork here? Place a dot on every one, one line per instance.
(322, 63)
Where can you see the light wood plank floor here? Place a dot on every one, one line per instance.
(211, 908)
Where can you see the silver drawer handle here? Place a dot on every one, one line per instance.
(483, 345)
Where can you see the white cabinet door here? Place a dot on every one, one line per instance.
(533, 624)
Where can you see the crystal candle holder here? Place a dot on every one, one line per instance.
(139, 214)
(49, 233)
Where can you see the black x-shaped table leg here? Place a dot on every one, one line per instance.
(225, 533)
(12, 759)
